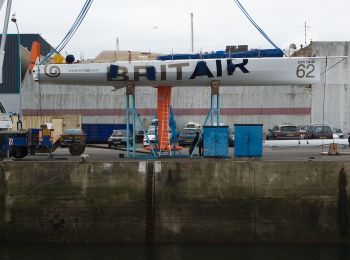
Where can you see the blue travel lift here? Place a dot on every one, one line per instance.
(211, 134)
(132, 112)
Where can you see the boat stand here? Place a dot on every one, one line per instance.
(131, 111)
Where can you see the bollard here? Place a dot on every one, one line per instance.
(9, 143)
(8, 158)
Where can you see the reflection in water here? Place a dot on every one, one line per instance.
(174, 252)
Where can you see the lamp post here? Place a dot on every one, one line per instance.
(19, 122)
(192, 37)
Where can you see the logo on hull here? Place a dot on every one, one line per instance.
(121, 73)
(52, 72)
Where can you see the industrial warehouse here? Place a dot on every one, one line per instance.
(161, 150)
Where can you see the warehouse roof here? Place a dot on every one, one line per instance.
(11, 62)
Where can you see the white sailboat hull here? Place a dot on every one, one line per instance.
(229, 72)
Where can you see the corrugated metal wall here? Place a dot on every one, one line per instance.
(11, 102)
(10, 83)
(68, 121)
(331, 98)
(59, 123)
(35, 121)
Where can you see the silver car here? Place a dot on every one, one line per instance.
(119, 137)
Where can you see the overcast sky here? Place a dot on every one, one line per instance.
(163, 25)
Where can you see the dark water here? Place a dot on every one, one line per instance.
(175, 252)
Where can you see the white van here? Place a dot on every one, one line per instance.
(193, 125)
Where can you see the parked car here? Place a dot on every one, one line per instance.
(302, 129)
(150, 137)
(119, 137)
(231, 137)
(154, 122)
(70, 136)
(319, 132)
(193, 125)
(339, 132)
(187, 135)
(283, 132)
(151, 134)
(152, 127)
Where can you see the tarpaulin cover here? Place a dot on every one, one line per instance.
(266, 53)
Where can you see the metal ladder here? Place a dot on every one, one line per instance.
(163, 119)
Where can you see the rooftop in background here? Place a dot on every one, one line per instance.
(111, 56)
(304, 51)
(235, 48)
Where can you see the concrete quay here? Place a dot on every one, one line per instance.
(198, 201)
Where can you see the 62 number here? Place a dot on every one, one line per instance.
(305, 71)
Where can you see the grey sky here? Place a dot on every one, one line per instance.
(217, 23)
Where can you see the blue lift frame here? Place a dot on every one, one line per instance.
(131, 111)
(215, 92)
(130, 92)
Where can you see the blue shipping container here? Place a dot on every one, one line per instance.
(248, 140)
(215, 141)
(99, 133)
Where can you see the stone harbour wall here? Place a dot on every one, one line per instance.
(209, 201)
